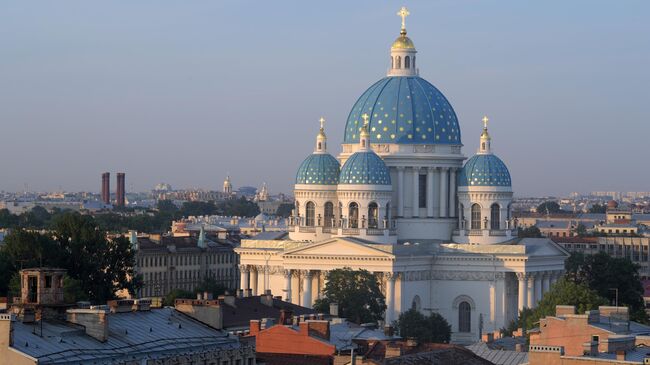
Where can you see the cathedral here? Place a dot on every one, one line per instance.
(402, 201)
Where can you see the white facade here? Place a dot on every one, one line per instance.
(438, 236)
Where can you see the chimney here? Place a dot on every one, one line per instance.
(590, 348)
(6, 330)
(389, 331)
(240, 293)
(320, 329)
(199, 296)
(95, 322)
(229, 300)
(267, 299)
(254, 327)
(411, 342)
(563, 310)
(248, 292)
(519, 347)
(207, 296)
(285, 316)
(334, 309)
(120, 305)
(620, 355)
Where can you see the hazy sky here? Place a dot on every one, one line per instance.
(184, 92)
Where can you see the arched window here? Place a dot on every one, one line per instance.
(373, 215)
(415, 304)
(392, 62)
(483, 146)
(476, 216)
(319, 146)
(508, 212)
(413, 61)
(495, 216)
(399, 62)
(353, 215)
(407, 62)
(464, 317)
(329, 214)
(310, 212)
(363, 143)
(297, 208)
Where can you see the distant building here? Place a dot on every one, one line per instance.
(43, 329)
(168, 263)
(227, 186)
(634, 248)
(106, 187)
(120, 199)
(603, 336)
(555, 228)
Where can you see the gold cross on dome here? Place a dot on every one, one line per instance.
(322, 122)
(403, 12)
(485, 121)
(365, 119)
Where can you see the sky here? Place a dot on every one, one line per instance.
(185, 92)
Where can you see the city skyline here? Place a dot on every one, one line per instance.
(173, 99)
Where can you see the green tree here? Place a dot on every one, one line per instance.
(433, 328)
(530, 232)
(284, 210)
(549, 207)
(177, 294)
(606, 275)
(211, 286)
(241, 207)
(198, 208)
(357, 293)
(581, 230)
(598, 208)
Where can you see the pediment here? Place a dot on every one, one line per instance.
(340, 247)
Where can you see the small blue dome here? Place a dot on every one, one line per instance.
(404, 110)
(364, 167)
(319, 169)
(484, 170)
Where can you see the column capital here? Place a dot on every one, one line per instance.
(306, 273)
(287, 272)
(416, 168)
(522, 276)
(400, 168)
(443, 168)
(244, 268)
(431, 169)
(392, 276)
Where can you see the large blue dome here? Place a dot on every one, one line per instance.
(484, 170)
(319, 169)
(404, 110)
(364, 167)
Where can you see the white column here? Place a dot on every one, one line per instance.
(416, 192)
(287, 286)
(390, 298)
(538, 287)
(244, 271)
(452, 192)
(400, 191)
(546, 283)
(254, 277)
(521, 301)
(306, 284)
(430, 192)
(443, 192)
(531, 291)
(500, 300)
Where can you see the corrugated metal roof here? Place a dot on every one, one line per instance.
(131, 336)
(498, 357)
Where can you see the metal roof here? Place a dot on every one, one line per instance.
(132, 335)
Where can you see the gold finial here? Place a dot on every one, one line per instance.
(322, 123)
(403, 12)
(485, 121)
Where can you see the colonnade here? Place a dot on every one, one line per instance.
(533, 285)
(256, 278)
(440, 184)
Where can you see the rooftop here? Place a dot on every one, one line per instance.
(131, 336)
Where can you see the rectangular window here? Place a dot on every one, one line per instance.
(48, 281)
(422, 191)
